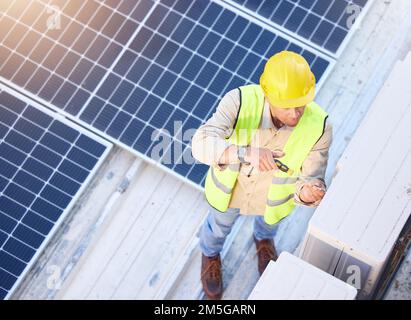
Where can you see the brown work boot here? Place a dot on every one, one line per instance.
(265, 252)
(211, 277)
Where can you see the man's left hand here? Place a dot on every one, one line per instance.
(312, 191)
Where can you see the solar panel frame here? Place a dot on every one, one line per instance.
(50, 229)
(240, 4)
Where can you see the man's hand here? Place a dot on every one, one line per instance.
(263, 159)
(312, 191)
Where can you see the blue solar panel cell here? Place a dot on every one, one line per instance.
(105, 117)
(237, 27)
(124, 90)
(294, 20)
(190, 72)
(7, 281)
(156, 18)
(138, 69)
(197, 9)
(195, 37)
(17, 248)
(252, 4)
(206, 74)
(191, 97)
(161, 115)
(337, 36)
(154, 46)
(177, 92)
(223, 22)
(164, 83)
(52, 194)
(79, 156)
(29, 182)
(19, 194)
(64, 94)
(131, 133)
(7, 224)
(135, 100)
(46, 209)
(197, 173)
(321, 7)
(37, 223)
(169, 23)
(93, 108)
(248, 65)
(66, 184)
(146, 110)
(208, 44)
(151, 76)
(29, 235)
(282, 12)
(7, 117)
(144, 140)
(220, 81)
(182, 30)
(167, 53)
(263, 42)
(120, 122)
(11, 264)
(11, 208)
(3, 131)
(319, 67)
(3, 238)
(210, 15)
(6, 169)
(336, 10)
(20, 141)
(322, 32)
(50, 88)
(3, 183)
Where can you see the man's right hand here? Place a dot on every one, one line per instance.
(262, 158)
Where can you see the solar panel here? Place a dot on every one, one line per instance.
(60, 50)
(45, 163)
(129, 68)
(322, 23)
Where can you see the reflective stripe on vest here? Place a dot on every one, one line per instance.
(219, 184)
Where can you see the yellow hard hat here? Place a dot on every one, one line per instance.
(287, 80)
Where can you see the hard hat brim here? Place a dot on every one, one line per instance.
(291, 103)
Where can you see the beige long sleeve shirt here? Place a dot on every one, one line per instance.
(250, 191)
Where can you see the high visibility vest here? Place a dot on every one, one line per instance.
(280, 203)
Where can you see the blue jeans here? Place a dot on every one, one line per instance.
(218, 225)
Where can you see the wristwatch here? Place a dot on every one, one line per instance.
(241, 152)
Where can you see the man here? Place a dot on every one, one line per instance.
(253, 126)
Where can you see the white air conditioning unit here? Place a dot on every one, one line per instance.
(353, 232)
(290, 278)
